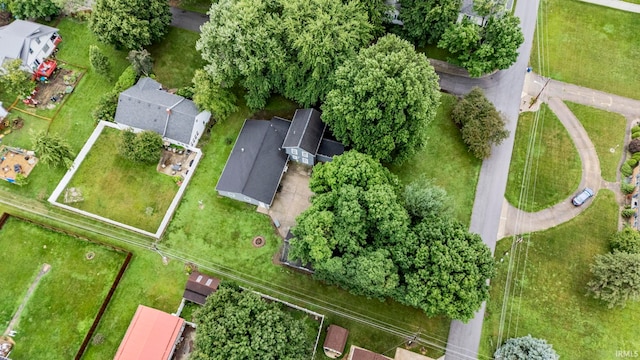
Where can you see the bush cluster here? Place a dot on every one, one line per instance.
(106, 109)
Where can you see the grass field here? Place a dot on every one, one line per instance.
(598, 48)
(606, 130)
(120, 189)
(22, 137)
(555, 167)
(63, 306)
(547, 298)
(446, 160)
(201, 6)
(171, 54)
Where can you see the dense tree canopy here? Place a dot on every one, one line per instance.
(383, 100)
(210, 96)
(235, 324)
(14, 80)
(33, 9)
(424, 200)
(616, 278)
(481, 50)
(99, 61)
(482, 125)
(358, 235)
(141, 62)
(145, 146)
(526, 348)
(291, 47)
(52, 149)
(627, 240)
(426, 20)
(130, 24)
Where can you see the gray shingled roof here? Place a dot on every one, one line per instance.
(330, 148)
(16, 38)
(145, 106)
(256, 163)
(306, 131)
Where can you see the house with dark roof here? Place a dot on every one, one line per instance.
(152, 335)
(28, 41)
(199, 286)
(335, 341)
(146, 106)
(259, 157)
(358, 353)
(304, 136)
(257, 163)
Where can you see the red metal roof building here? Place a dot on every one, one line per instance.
(152, 335)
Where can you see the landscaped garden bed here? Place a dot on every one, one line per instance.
(61, 308)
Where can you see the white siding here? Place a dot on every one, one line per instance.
(38, 52)
(198, 127)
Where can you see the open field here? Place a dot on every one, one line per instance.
(22, 137)
(64, 304)
(606, 131)
(547, 297)
(555, 164)
(119, 189)
(446, 160)
(598, 48)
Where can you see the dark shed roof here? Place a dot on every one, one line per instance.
(336, 338)
(199, 286)
(364, 354)
(306, 131)
(256, 163)
(330, 148)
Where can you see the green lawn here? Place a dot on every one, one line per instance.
(176, 58)
(606, 130)
(446, 160)
(201, 6)
(554, 165)
(22, 137)
(547, 298)
(120, 189)
(59, 313)
(598, 48)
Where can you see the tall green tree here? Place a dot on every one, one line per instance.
(616, 278)
(482, 125)
(130, 24)
(424, 200)
(319, 36)
(426, 20)
(235, 324)
(212, 97)
(383, 100)
(14, 80)
(33, 9)
(99, 61)
(242, 43)
(486, 8)
(526, 348)
(52, 150)
(141, 61)
(449, 272)
(481, 50)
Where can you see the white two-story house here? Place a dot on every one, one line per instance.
(28, 41)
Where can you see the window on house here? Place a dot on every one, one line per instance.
(45, 48)
(294, 151)
(37, 40)
(30, 51)
(37, 62)
(305, 154)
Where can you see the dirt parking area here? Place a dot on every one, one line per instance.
(293, 198)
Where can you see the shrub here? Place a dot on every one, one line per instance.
(626, 170)
(627, 188)
(635, 135)
(106, 109)
(186, 92)
(635, 128)
(526, 348)
(99, 61)
(126, 80)
(636, 156)
(632, 162)
(627, 213)
(144, 146)
(627, 240)
(634, 146)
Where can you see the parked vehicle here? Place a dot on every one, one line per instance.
(582, 197)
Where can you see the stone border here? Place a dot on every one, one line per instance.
(80, 158)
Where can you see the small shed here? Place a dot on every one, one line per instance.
(152, 335)
(335, 341)
(199, 286)
(358, 353)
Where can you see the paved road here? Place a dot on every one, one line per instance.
(504, 89)
(188, 20)
(616, 4)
